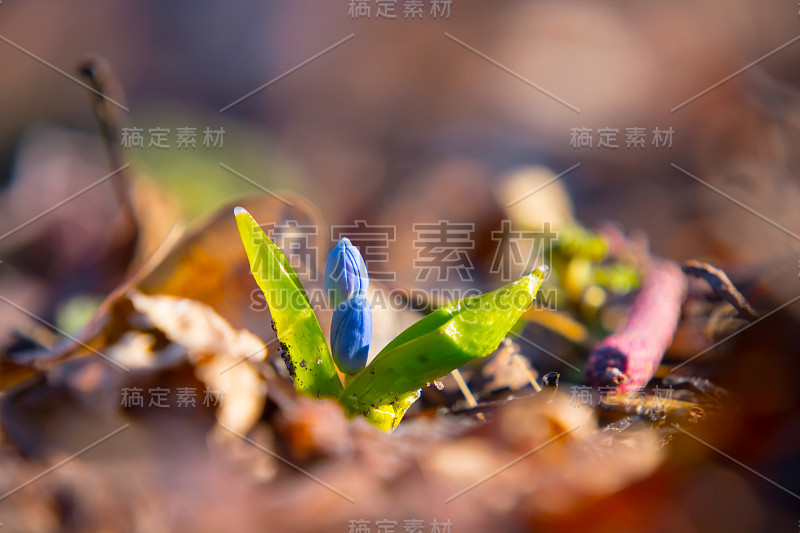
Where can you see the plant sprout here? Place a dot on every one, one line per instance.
(383, 390)
(346, 282)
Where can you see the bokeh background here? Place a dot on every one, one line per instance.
(417, 121)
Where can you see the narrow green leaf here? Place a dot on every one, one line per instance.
(436, 345)
(302, 344)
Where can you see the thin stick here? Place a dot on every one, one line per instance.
(466, 392)
(518, 360)
(97, 73)
(721, 285)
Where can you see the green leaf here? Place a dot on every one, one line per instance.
(436, 345)
(386, 417)
(302, 344)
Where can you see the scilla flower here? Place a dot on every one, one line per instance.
(345, 273)
(346, 282)
(351, 333)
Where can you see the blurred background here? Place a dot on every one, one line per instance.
(418, 119)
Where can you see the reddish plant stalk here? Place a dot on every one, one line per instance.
(628, 358)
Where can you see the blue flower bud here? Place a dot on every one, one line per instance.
(345, 273)
(351, 334)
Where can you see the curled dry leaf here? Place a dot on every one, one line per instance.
(208, 265)
(163, 340)
(222, 356)
(508, 369)
(204, 264)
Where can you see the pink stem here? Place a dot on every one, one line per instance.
(628, 358)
